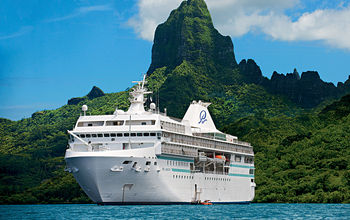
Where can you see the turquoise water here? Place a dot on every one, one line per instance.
(252, 211)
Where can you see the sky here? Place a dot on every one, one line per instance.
(51, 51)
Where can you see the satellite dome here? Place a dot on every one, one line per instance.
(84, 108)
(152, 106)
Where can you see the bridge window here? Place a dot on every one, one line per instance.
(153, 134)
(127, 162)
(126, 134)
(94, 135)
(119, 135)
(88, 135)
(139, 134)
(106, 135)
(133, 134)
(114, 123)
(90, 123)
(113, 135)
(146, 134)
(99, 135)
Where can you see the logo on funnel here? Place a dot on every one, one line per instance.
(202, 117)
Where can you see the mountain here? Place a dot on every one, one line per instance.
(302, 155)
(307, 91)
(94, 93)
(191, 60)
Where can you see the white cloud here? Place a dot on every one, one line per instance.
(239, 17)
(81, 11)
(150, 14)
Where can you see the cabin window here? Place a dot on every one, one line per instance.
(90, 123)
(139, 134)
(159, 134)
(119, 135)
(106, 135)
(114, 123)
(248, 160)
(140, 122)
(153, 134)
(82, 135)
(127, 162)
(126, 134)
(237, 158)
(134, 165)
(99, 135)
(88, 135)
(148, 163)
(146, 134)
(251, 171)
(133, 134)
(113, 135)
(155, 163)
(94, 135)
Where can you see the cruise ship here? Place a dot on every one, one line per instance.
(146, 157)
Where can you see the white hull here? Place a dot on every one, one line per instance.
(159, 185)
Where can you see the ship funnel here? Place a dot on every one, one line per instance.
(198, 116)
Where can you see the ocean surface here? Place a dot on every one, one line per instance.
(251, 211)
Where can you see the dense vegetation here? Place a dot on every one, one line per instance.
(302, 155)
(301, 159)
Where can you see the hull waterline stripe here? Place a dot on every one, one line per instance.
(241, 175)
(173, 158)
(166, 203)
(242, 166)
(180, 170)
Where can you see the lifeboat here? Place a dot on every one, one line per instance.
(206, 202)
(222, 157)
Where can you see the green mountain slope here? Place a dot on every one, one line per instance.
(301, 159)
(191, 60)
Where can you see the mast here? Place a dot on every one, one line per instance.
(137, 98)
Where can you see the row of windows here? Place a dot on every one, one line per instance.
(148, 163)
(176, 163)
(182, 177)
(119, 135)
(116, 123)
(218, 179)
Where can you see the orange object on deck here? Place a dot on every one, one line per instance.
(206, 202)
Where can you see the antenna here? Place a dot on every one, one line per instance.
(158, 99)
(143, 81)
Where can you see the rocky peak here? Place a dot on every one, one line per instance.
(250, 71)
(95, 92)
(310, 76)
(189, 35)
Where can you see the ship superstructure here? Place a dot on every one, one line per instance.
(147, 157)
